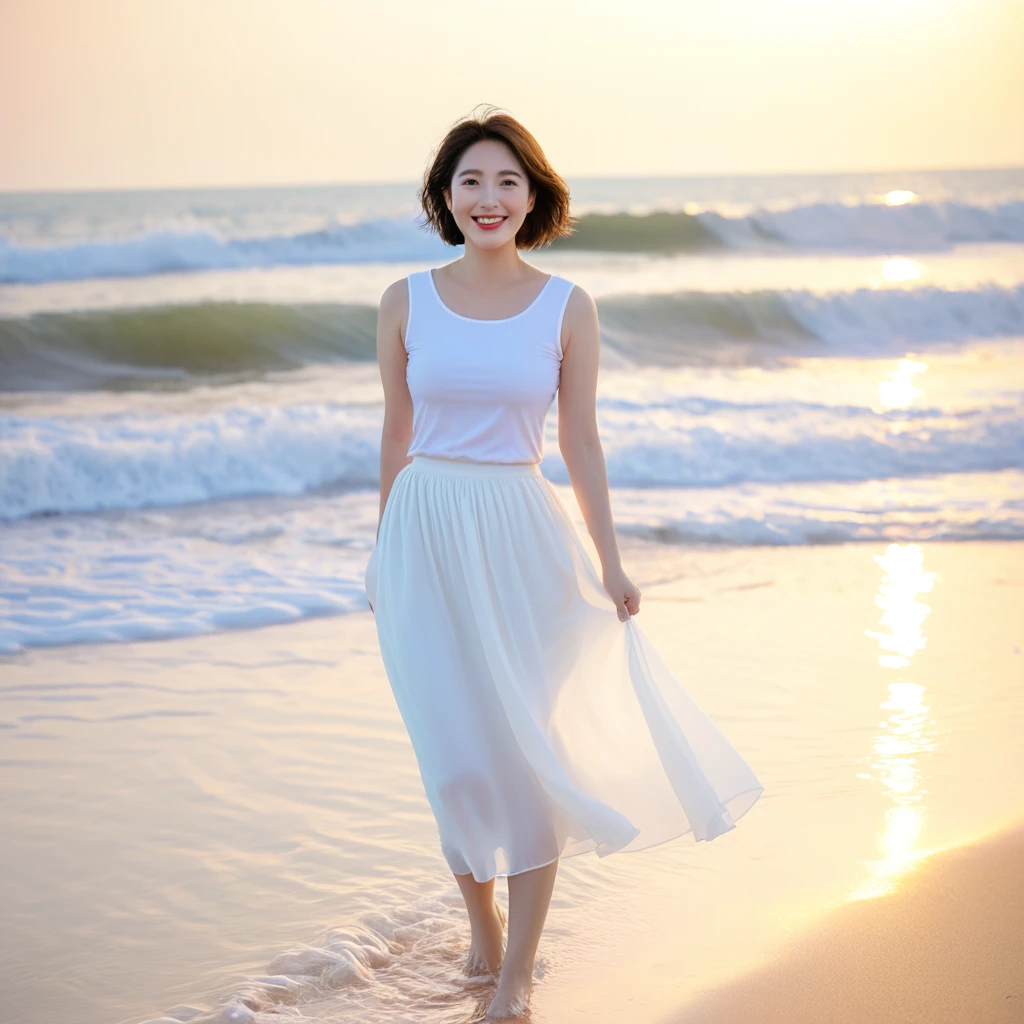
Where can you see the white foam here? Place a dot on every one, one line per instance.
(155, 574)
(131, 460)
(872, 321)
(192, 244)
(872, 226)
(188, 571)
(398, 962)
(192, 248)
(978, 506)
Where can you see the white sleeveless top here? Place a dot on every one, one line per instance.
(481, 389)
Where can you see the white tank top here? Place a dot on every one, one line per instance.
(481, 389)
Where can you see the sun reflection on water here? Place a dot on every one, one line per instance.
(897, 391)
(899, 268)
(907, 730)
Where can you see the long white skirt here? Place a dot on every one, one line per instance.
(543, 726)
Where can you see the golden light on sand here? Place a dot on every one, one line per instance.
(906, 730)
(897, 391)
(901, 269)
(900, 196)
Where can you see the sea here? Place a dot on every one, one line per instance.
(190, 407)
(810, 403)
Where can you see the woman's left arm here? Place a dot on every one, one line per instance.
(580, 444)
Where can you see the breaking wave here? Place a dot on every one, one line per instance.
(136, 347)
(869, 227)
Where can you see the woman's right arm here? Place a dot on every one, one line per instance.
(391, 359)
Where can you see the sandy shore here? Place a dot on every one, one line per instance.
(948, 946)
(182, 815)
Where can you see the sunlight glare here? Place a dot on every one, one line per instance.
(908, 730)
(903, 613)
(897, 391)
(901, 269)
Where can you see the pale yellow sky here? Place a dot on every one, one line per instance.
(150, 93)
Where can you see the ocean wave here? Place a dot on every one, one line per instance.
(861, 227)
(385, 240)
(936, 507)
(685, 327)
(190, 570)
(116, 348)
(128, 461)
(126, 347)
(870, 227)
(65, 464)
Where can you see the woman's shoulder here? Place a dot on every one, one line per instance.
(578, 301)
(393, 309)
(396, 296)
(578, 319)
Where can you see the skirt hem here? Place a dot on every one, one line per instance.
(759, 790)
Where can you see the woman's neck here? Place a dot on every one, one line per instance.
(490, 269)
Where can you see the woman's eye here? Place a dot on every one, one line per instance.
(509, 181)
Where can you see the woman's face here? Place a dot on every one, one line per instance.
(490, 194)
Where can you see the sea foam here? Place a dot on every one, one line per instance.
(62, 464)
(193, 246)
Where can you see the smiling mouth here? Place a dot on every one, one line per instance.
(490, 222)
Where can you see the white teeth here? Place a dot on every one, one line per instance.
(488, 220)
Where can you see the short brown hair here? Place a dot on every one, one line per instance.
(549, 219)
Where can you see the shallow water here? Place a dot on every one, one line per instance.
(161, 514)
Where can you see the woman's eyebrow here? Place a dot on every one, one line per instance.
(480, 173)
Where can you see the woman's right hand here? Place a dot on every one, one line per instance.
(623, 591)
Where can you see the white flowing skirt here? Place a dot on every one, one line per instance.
(543, 726)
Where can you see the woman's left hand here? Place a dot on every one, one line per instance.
(623, 591)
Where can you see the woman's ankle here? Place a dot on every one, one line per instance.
(518, 976)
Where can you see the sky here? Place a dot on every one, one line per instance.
(192, 93)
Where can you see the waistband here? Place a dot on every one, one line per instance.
(463, 467)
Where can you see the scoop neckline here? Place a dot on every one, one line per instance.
(477, 320)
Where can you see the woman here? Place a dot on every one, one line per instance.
(543, 721)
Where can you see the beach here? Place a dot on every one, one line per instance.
(234, 823)
(947, 947)
(809, 404)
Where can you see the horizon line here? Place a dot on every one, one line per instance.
(65, 190)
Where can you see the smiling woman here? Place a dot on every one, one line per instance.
(548, 202)
(544, 723)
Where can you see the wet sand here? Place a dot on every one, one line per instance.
(948, 946)
(181, 817)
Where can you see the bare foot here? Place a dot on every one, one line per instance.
(512, 998)
(487, 949)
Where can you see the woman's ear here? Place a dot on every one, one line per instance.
(447, 193)
(531, 201)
